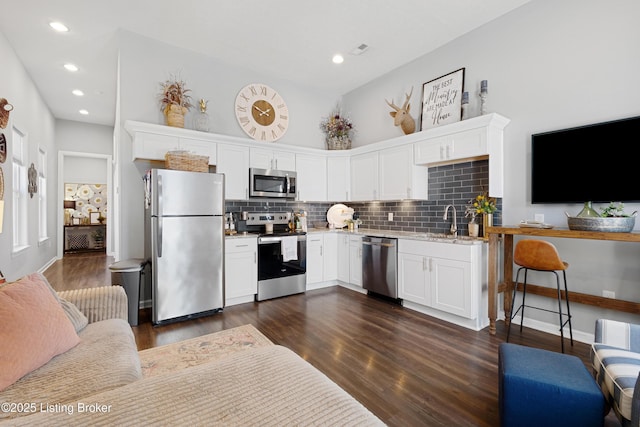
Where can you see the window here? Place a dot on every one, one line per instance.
(42, 194)
(20, 236)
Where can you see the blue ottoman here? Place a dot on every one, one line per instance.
(543, 388)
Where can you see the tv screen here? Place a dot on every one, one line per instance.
(597, 163)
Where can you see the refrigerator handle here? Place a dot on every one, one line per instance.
(159, 239)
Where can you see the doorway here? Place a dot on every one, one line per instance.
(92, 169)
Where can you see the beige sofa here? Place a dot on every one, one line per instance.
(105, 358)
(99, 382)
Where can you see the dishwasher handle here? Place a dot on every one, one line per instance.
(379, 241)
(388, 245)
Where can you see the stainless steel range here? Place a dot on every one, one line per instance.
(282, 255)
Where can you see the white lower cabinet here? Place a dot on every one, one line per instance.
(330, 259)
(241, 270)
(349, 265)
(314, 258)
(322, 260)
(446, 280)
(452, 289)
(355, 260)
(414, 278)
(343, 258)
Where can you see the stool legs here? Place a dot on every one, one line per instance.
(566, 295)
(522, 306)
(513, 313)
(560, 310)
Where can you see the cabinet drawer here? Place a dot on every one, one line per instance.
(236, 244)
(437, 249)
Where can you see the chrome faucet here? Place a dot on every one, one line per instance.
(454, 223)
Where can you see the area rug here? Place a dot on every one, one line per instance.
(199, 350)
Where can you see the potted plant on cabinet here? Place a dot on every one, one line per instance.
(337, 129)
(175, 101)
(485, 206)
(612, 219)
(471, 212)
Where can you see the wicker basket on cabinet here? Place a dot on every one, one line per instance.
(186, 161)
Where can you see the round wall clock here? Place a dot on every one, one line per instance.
(261, 112)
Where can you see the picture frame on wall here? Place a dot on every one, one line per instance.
(442, 100)
(94, 217)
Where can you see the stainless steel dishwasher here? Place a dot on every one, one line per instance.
(380, 265)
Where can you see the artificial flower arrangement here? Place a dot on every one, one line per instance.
(175, 101)
(482, 204)
(174, 92)
(336, 124)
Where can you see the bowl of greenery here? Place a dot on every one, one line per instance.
(612, 219)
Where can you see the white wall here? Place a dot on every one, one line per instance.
(30, 115)
(84, 137)
(84, 170)
(145, 63)
(550, 65)
(85, 157)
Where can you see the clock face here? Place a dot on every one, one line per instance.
(261, 112)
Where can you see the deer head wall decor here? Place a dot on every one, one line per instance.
(401, 116)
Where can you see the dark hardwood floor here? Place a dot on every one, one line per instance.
(408, 368)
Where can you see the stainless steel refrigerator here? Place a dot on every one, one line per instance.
(184, 242)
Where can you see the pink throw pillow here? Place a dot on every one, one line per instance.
(33, 328)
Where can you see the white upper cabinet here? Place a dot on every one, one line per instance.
(394, 169)
(152, 142)
(311, 181)
(338, 178)
(457, 146)
(264, 158)
(364, 177)
(476, 138)
(233, 162)
(400, 177)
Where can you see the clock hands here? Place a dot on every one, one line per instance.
(262, 113)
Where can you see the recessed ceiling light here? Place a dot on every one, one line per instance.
(83, 112)
(77, 92)
(59, 26)
(338, 59)
(70, 67)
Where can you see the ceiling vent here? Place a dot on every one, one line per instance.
(360, 49)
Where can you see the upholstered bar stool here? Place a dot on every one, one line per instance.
(540, 255)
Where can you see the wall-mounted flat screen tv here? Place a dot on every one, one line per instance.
(598, 163)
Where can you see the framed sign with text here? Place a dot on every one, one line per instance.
(442, 100)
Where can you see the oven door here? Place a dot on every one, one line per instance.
(271, 264)
(272, 183)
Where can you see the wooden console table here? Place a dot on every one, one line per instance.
(84, 238)
(507, 233)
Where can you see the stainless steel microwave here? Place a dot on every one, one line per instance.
(272, 183)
